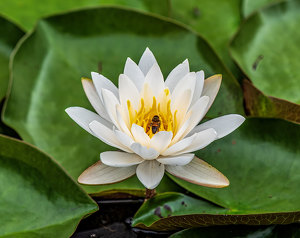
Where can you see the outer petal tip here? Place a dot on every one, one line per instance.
(99, 174)
(200, 173)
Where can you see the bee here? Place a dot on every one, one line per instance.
(155, 124)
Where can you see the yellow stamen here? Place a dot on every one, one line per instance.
(144, 116)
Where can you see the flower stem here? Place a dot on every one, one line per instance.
(149, 193)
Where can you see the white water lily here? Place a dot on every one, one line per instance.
(154, 123)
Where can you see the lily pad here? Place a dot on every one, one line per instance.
(259, 105)
(27, 12)
(174, 211)
(250, 6)
(292, 231)
(4, 129)
(267, 50)
(10, 34)
(49, 63)
(215, 20)
(37, 198)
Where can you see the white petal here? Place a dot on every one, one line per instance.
(122, 120)
(147, 60)
(84, 117)
(181, 131)
(222, 125)
(211, 88)
(179, 146)
(134, 73)
(110, 102)
(100, 173)
(181, 104)
(144, 152)
(101, 82)
(140, 135)
(200, 173)
(94, 98)
(197, 111)
(177, 74)
(123, 138)
(198, 87)
(186, 83)
(106, 135)
(176, 160)
(201, 140)
(120, 159)
(155, 79)
(161, 140)
(128, 91)
(150, 173)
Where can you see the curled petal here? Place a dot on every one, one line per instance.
(94, 98)
(123, 138)
(195, 142)
(106, 135)
(101, 82)
(120, 159)
(201, 140)
(140, 135)
(144, 152)
(200, 173)
(161, 140)
(211, 88)
(84, 117)
(150, 173)
(222, 125)
(110, 102)
(99, 174)
(176, 160)
(198, 87)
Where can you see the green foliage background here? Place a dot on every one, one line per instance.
(46, 48)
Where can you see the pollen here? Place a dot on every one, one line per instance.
(145, 116)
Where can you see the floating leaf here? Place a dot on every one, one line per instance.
(216, 20)
(291, 231)
(48, 66)
(37, 198)
(174, 211)
(250, 6)
(27, 12)
(259, 105)
(267, 50)
(10, 34)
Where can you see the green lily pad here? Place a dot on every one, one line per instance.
(259, 105)
(10, 34)
(174, 211)
(250, 6)
(4, 129)
(37, 198)
(267, 50)
(215, 20)
(49, 63)
(275, 231)
(27, 12)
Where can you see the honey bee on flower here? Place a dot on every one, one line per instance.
(154, 123)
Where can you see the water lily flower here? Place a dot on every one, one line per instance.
(154, 124)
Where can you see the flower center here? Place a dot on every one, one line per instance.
(155, 118)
